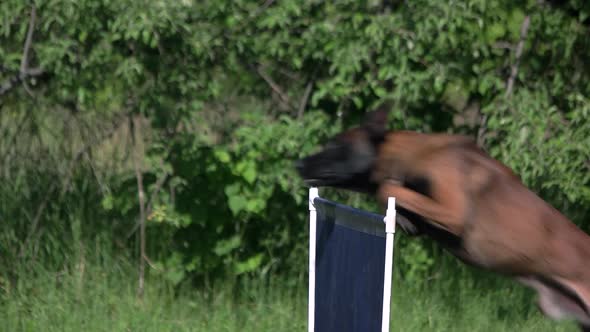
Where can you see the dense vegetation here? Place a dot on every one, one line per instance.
(161, 134)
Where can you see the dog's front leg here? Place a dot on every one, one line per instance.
(409, 222)
(444, 217)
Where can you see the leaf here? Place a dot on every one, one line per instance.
(107, 202)
(232, 189)
(249, 264)
(236, 203)
(222, 155)
(358, 102)
(250, 173)
(175, 276)
(380, 91)
(226, 246)
(495, 32)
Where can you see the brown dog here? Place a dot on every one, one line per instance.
(503, 225)
(453, 192)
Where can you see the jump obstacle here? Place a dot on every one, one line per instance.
(350, 267)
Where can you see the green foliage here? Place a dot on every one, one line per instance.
(547, 146)
(227, 94)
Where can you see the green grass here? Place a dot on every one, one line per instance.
(438, 307)
(95, 300)
(102, 303)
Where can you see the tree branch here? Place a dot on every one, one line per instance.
(274, 86)
(514, 70)
(150, 203)
(13, 81)
(24, 62)
(24, 71)
(159, 183)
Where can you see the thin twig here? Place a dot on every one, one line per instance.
(135, 127)
(262, 8)
(150, 263)
(159, 183)
(250, 17)
(150, 204)
(514, 70)
(274, 86)
(481, 131)
(305, 99)
(504, 45)
(158, 186)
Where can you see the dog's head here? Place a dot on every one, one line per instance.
(346, 161)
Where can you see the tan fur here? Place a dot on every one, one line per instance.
(504, 227)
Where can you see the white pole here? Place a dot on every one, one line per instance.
(389, 233)
(313, 194)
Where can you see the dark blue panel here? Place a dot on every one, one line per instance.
(349, 276)
(362, 221)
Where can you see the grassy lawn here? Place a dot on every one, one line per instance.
(97, 301)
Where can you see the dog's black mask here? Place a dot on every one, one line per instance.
(347, 160)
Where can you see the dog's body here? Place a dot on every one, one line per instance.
(503, 226)
(453, 192)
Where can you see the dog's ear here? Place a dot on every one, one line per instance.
(375, 122)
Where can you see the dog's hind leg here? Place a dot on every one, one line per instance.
(557, 301)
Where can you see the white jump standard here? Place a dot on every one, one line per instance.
(350, 267)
